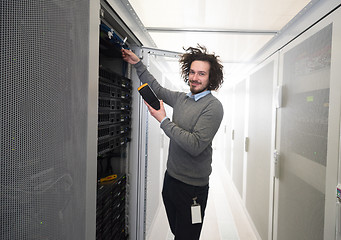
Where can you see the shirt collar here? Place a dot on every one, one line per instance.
(197, 96)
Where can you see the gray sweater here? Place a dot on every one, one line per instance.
(191, 131)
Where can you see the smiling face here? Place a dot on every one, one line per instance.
(199, 76)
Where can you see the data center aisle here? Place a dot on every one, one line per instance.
(225, 218)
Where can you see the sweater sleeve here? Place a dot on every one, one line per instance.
(200, 138)
(169, 97)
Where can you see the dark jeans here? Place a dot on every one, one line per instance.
(178, 199)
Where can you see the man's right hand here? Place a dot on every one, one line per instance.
(129, 56)
(157, 114)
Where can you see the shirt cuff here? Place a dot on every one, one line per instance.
(138, 64)
(163, 120)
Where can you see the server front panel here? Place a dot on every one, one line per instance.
(114, 133)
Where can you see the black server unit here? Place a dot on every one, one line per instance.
(114, 125)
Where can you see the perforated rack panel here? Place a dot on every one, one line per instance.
(43, 97)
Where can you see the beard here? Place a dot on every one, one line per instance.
(195, 87)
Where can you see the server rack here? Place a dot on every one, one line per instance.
(50, 118)
(114, 132)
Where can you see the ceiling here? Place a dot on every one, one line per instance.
(234, 30)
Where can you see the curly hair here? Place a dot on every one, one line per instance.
(200, 54)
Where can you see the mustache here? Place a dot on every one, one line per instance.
(193, 81)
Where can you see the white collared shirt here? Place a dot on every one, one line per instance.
(198, 95)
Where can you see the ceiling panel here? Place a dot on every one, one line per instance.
(197, 21)
(225, 14)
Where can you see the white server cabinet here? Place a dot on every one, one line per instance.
(308, 134)
(296, 163)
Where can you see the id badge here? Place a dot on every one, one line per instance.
(196, 212)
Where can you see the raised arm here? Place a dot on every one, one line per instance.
(145, 76)
(129, 56)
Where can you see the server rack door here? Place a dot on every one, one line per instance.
(260, 133)
(44, 114)
(335, 96)
(305, 190)
(237, 170)
(228, 116)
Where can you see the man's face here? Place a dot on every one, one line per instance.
(199, 76)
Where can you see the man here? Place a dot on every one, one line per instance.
(196, 118)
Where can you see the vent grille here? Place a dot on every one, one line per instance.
(42, 85)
